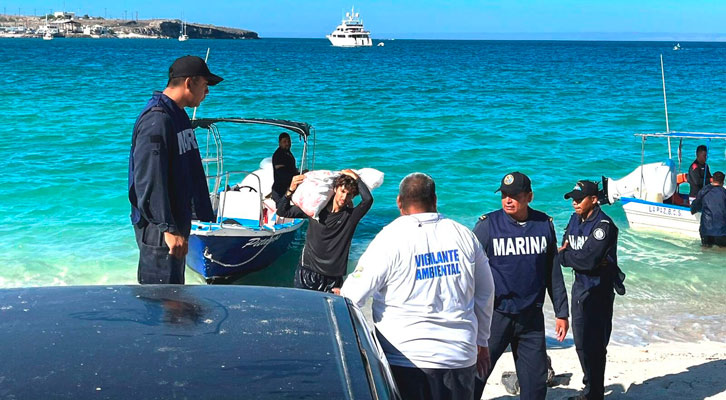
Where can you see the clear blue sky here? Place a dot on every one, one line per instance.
(454, 19)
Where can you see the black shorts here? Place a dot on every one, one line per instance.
(311, 280)
(156, 265)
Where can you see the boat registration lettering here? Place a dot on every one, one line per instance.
(257, 242)
(664, 211)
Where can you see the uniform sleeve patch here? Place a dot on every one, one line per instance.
(598, 234)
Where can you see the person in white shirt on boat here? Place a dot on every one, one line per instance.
(433, 295)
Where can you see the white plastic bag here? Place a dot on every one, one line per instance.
(314, 193)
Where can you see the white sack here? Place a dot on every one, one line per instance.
(313, 194)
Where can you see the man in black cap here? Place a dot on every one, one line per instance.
(521, 245)
(167, 184)
(711, 202)
(590, 248)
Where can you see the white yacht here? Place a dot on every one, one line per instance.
(350, 32)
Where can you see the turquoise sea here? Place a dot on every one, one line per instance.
(466, 112)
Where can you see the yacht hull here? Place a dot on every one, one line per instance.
(350, 42)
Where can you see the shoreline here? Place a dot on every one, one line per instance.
(651, 372)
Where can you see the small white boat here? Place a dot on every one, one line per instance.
(247, 234)
(183, 32)
(677, 46)
(381, 44)
(650, 195)
(48, 35)
(350, 32)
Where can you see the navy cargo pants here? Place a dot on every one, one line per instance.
(526, 334)
(156, 265)
(592, 323)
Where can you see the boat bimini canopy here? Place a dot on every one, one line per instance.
(684, 135)
(301, 128)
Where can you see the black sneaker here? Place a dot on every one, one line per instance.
(510, 382)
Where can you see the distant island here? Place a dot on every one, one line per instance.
(66, 24)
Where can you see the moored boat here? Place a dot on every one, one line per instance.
(651, 195)
(247, 234)
(350, 32)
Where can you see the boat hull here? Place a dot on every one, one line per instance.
(350, 42)
(231, 251)
(668, 218)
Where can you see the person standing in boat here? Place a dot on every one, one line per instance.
(324, 259)
(590, 248)
(522, 245)
(283, 164)
(167, 184)
(711, 202)
(698, 173)
(432, 297)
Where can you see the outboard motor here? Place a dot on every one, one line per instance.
(651, 182)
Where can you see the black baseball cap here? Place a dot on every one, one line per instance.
(515, 183)
(581, 190)
(192, 66)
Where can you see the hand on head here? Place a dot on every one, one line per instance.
(350, 173)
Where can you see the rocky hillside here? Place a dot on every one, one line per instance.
(171, 28)
(28, 26)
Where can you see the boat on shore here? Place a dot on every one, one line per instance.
(651, 194)
(350, 32)
(247, 234)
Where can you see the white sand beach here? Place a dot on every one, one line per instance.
(658, 371)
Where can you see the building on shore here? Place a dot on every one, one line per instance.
(68, 26)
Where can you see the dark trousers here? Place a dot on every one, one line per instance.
(592, 323)
(311, 280)
(434, 384)
(156, 265)
(525, 333)
(709, 241)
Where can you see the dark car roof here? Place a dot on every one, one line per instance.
(200, 342)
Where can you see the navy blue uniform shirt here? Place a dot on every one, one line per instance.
(592, 251)
(521, 256)
(711, 201)
(167, 184)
